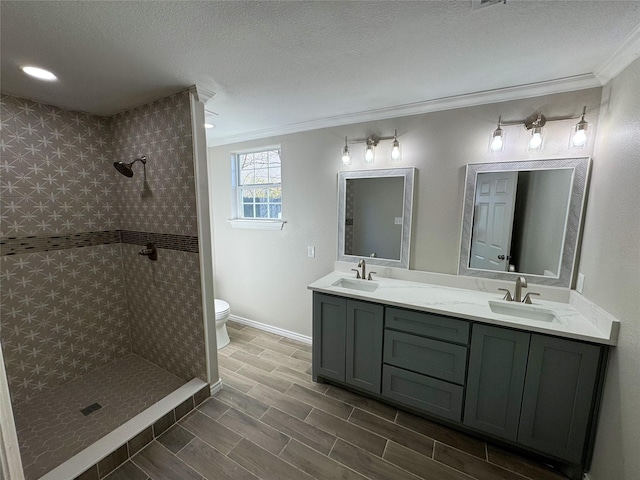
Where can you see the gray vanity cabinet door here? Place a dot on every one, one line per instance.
(329, 336)
(364, 345)
(497, 367)
(558, 396)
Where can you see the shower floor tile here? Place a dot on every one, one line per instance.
(51, 428)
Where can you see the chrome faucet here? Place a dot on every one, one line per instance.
(362, 264)
(521, 282)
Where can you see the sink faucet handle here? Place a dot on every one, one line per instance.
(507, 296)
(527, 297)
(369, 276)
(357, 272)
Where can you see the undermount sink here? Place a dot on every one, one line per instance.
(353, 284)
(524, 311)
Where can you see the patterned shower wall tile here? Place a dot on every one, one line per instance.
(62, 314)
(62, 214)
(160, 214)
(56, 172)
(173, 267)
(168, 328)
(160, 197)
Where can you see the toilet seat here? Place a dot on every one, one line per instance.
(222, 309)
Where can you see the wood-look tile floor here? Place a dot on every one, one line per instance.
(271, 422)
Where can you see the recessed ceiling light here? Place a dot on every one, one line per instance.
(209, 125)
(40, 73)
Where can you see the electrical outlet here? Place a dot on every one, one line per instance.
(580, 283)
(311, 251)
(397, 220)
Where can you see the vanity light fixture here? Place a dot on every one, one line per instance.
(369, 152)
(395, 147)
(535, 143)
(497, 138)
(346, 153)
(371, 142)
(535, 123)
(579, 138)
(39, 73)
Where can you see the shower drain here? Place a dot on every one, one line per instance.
(90, 409)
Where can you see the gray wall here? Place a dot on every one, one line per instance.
(610, 261)
(264, 274)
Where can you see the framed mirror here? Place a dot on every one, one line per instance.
(523, 218)
(374, 216)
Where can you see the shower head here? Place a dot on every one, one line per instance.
(125, 168)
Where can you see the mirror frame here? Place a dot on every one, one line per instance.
(407, 206)
(577, 201)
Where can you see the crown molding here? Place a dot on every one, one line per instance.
(621, 58)
(202, 94)
(578, 82)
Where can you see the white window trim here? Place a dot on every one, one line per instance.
(262, 224)
(251, 223)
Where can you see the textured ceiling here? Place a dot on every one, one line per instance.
(277, 64)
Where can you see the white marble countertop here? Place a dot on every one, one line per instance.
(469, 304)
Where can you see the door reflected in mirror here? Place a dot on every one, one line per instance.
(523, 218)
(374, 216)
(519, 221)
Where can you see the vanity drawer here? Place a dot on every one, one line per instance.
(428, 325)
(442, 360)
(424, 393)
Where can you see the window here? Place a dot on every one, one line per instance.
(258, 180)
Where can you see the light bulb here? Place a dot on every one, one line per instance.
(536, 139)
(39, 73)
(497, 140)
(368, 154)
(346, 156)
(395, 151)
(580, 138)
(496, 143)
(395, 147)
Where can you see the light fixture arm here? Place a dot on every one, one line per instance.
(539, 120)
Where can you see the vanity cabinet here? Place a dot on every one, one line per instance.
(497, 367)
(558, 398)
(534, 390)
(423, 367)
(347, 342)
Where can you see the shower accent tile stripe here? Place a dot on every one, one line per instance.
(181, 243)
(43, 243)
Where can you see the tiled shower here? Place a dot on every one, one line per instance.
(75, 295)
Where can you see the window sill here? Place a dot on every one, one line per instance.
(257, 224)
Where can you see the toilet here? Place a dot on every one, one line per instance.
(222, 315)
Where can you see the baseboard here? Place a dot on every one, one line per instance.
(216, 387)
(271, 329)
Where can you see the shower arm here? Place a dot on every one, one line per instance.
(141, 158)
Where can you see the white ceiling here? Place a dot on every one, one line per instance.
(287, 66)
